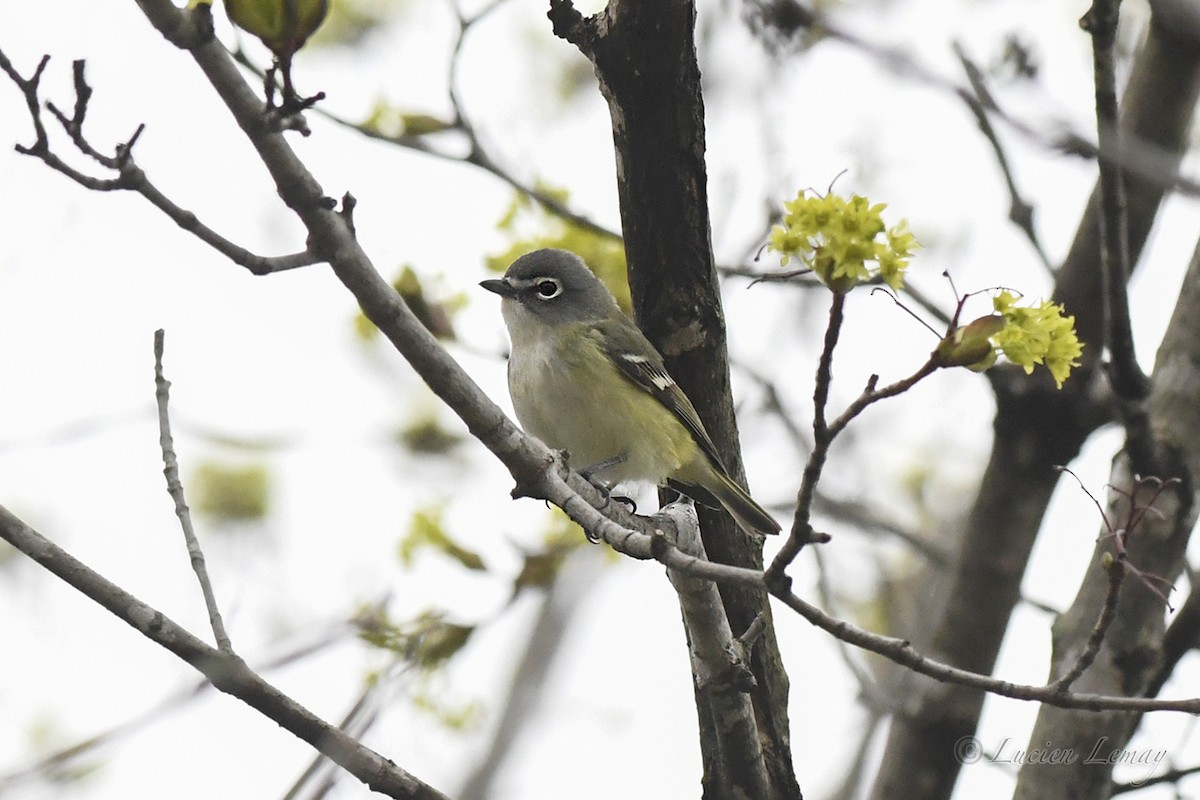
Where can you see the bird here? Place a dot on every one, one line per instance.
(584, 379)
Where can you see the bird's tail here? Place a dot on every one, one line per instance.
(714, 487)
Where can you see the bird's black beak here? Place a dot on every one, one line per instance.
(500, 287)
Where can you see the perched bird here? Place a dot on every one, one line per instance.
(584, 379)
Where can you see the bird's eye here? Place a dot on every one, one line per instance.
(547, 288)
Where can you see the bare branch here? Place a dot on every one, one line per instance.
(804, 279)
(861, 515)
(1038, 427)
(175, 488)
(903, 653)
(979, 99)
(833, 329)
(1170, 776)
(561, 602)
(535, 469)
(226, 671)
(129, 176)
(132, 177)
(1155, 539)
(802, 533)
(1108, 612)
(719, 665)
(1141, 159)
(824, 434)
(49, 763)
(476, 153)
(356, 722)
(1129, 382)
(40, 148)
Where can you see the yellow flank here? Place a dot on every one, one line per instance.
(605, 408)
(583, 380)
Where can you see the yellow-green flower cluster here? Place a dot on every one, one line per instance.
(838, 239)
(1027, 335)
(1038, 334)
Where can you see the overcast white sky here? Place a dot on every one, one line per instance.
(85, 279)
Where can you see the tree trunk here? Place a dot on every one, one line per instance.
(645, 59)
(1036, 428)
(1131, 649)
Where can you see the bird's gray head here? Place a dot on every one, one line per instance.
(554, 287)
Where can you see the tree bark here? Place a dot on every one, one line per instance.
(1036, 428)
(645, 59)
(1131, 650)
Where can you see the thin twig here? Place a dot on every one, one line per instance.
(903, 653)
(230, 675)
(1128, 381)
(40, 148)
(816, 461)
(132, 177)
(64, 756)
(175, 489)
(824, 433)
(868, 687)
(1108, 612)
(523, 456)
(872, 395)
(1170, 776)
(1020, 211)
(478, 157)
(129, 176)
(802, 533)
(859, 514)
(1138, 159)
(227, 672)
(73, 125)
(476, 154)
(356, 722)
(804, 279)
(1117, 568)
(833, 329)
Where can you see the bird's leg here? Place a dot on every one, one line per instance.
(589, 474)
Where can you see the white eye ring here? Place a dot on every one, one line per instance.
(547, 288)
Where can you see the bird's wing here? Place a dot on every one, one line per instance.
(631, 352)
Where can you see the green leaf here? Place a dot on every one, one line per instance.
(231, 493)
(427, 640)
(434, 313)
(426, 435)
(465, 716)
(423, 124)
(441, 641)
(350, 21)
(427, 531)
(541, 568)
